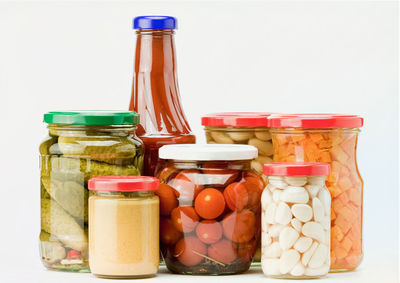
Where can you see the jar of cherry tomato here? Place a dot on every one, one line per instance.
(241, 128)
(210, 208)
(329, 138)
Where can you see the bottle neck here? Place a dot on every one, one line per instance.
(155, 94)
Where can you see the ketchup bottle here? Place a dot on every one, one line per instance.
(155, 94)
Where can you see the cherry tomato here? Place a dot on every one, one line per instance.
(254, 186)
(165, 173)
(168, 200)
(184, 218)
(239, 226)
(217, 175)
(209, 231)
(187, 250)
(236, 196)
(246, 250)
(223, 251)
(187, 185)
(209, 203)
(168, 234)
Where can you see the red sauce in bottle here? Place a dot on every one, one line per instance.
(155, 94)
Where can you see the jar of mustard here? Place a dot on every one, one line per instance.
(123, 227)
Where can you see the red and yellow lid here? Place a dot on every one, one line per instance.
(315, 121)
(236, 119)
(123, 183)
(296, 169)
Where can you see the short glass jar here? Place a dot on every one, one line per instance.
(124, 227)
(330, 138)
(210, 208)
(296, 207)
(241, 128)
(80, 145)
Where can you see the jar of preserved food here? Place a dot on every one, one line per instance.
(124, 227)
(241, 128)
(296, 209)
(80, 145)
(155, 92)
(210, 208)
(330, 138)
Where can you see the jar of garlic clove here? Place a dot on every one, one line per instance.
(241, 128)
(295, 219)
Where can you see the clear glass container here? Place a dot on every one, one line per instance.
(330, 138)
(296, 207)
(123, 227)
(80, 145)
(210, 208)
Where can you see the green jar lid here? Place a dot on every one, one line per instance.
(92, 118)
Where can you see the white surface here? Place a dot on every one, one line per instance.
(242, 56)
(208, 152)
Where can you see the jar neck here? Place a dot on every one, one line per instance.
(85, 130)
(155, 92)
(111, 194)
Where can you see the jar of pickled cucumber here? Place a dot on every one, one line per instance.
(80, 145)
(241, 128)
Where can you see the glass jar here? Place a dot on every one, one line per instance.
(330, 138)
(80, 145)
(210, 208)
(124, 227)
(241, 128)
(296, 209)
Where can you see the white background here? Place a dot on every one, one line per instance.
(279, 56)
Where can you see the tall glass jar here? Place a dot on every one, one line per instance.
(80, 145)
(329, 138)
(210, 208)
(124, 227)
(296, 209)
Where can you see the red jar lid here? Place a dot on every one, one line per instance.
(315, 121)
(296, 169)
(236, 119)
(123, 183)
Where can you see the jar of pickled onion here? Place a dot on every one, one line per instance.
(209, 207)
(329, 138)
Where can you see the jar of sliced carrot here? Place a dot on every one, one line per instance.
(210, 206)
(330, 138)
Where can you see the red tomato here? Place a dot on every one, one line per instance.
(217, 175)
(168, 200)
(187, 250)
(247, 250)
(184, 218)
(209, 203)
(168, 234)
(236, 196)
(254, 186)
(239, 226)
(209, 231)
(223, 251)
(187, 184)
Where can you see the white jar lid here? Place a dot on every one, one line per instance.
(208, 152)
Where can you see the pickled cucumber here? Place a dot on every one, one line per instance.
(114, 150)
(56, 221)
(75, 167)
(70, 195)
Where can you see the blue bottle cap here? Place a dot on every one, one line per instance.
(154, 22)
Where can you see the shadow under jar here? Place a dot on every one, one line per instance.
(329, 138)
(210, 208)
(80, 145)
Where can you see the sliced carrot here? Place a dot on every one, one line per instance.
(340, 252)
(339, 155)
(347, 244)
(336, 233)
(298, 137)
(324, 144)
(342, 223)
(344, 199)
(349, 144)
(324, 156)
(311, 151)
(345, 183)
(282, 138)
(316, 138)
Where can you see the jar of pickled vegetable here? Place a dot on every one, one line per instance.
(80, 145)
(296, 210)
(210, 208)
(241, 128)
(330, 138)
